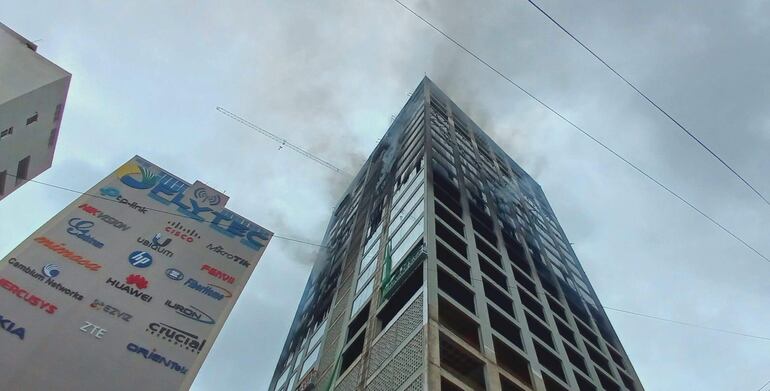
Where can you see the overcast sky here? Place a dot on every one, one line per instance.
(328, 75)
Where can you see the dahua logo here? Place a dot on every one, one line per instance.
(210, 290)
(11, 327)
(140, 259)
(179, 337)
(81, 229)
(174, 274)
(177, 229)
(136, 280)
(115, 193)
(190, 312)
(157, 244)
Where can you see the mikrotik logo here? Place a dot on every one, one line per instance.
(27, 296)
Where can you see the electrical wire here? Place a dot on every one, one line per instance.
(584, 132)
(763, 387)
(648, 99)
(63, 188)
(282, 141)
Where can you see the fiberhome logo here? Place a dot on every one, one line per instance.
(62, 250)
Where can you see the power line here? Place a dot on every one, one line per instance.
(153, 209)
(763, 387)
(688, 324)
(584, 132)
(282, 141)
(648, 99)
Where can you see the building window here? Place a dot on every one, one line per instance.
(3, 174)
(22, 170)
(6, 133)
(57, 114)
(32, 118)
(52, 138)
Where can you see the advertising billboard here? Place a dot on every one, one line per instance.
(126, 288)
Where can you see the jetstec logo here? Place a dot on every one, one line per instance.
(176, 228)
(221, 251)
(140, 259)
(62, 250)
(157, 244)
(112, 192)
(213, 291)
(178, 337)
(110, 310)
(174, 274)
(156, 358)
(218, 274)
(50, 271)
(81, 229)
(134, 279)
(190, 312)
(104, 217)
(27, 296)
(11, 327)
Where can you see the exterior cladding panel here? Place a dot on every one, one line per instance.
(514, 303)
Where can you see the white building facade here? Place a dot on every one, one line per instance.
(33, 92)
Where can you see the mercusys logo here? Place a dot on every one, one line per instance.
(62, 250)
(218, 274)
(104, 217)
(11, 327)
(136, 280)
(48, 275)
(21, 293)
(157, 244)
(115, 193)
(81, 229)
(178, 337)
(213, 291)
(108, 309)
(162, 185)
(177, 229)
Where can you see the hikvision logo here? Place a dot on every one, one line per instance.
(62, 250)
(104, 217)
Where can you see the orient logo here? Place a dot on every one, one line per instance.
(190, 312)
(108, 309)
(221, 251)
(11, 327)
(219, 274)
(140, 259)
(115, 193)
(134, 279)
(23, 294)
(157, 244)
(156, 358)
(81, 229)
(50, 271)
(104, 217)
(96, 331)
(177, 229)
(62, 250)
(213, 291)
(178, 337)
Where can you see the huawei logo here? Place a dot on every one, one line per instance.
(137, 280)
